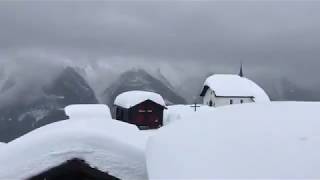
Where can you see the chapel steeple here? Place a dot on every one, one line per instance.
(241, 71)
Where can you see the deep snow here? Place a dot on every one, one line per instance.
(84, 111)
(132, 98)
(273, 140)
(109, 145)
(2, 144)
(183, 112)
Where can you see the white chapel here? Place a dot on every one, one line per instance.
(228, 89)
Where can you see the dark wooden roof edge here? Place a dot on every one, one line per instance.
(73, 165)
(204, 90)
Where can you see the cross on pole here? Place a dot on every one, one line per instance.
(195, 106)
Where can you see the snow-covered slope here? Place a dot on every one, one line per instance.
(85, 111)
(109, 145)
(181, 112)
(260, 141)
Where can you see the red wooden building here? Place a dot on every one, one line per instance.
(142, 108)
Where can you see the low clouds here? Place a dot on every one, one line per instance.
(24, 73)
(271, 38)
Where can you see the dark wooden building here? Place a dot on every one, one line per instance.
(144, 109)
(74, 169)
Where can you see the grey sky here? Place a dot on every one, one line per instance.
(271, 38)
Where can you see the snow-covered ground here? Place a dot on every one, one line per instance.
(85, 111)
(109, 145)
(274, 140)
(183, 112)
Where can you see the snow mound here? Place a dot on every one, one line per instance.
(278, 140)
(182, 112)
(132, 98)
(234, 85)
(83, 111)
(108, 145)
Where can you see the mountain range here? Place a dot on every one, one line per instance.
(138, 79)
(19, 117)
(69, 87)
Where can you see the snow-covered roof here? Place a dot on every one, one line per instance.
(83, 111)
(109, 145)
(234, 85)
(132, 98)
(278, 140)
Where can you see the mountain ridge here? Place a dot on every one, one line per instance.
(67, 88)
(139, 79)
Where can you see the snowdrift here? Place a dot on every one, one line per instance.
(108, 145)
(85, 111)
(274, 140)
(183, 112)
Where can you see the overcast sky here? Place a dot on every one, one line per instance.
(271, 38)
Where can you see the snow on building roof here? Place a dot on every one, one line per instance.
(279, 140)
(132, 98)
(83, 111)
(111, 146)
(2, 144)
(234, 85)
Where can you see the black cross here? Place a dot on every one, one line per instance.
(195, 106)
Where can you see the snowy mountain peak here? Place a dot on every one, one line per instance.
(139, 79)
(69, 87)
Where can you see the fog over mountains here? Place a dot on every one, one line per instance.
(139, 79)
(21, 116)
(34, 106)
(57, 53)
